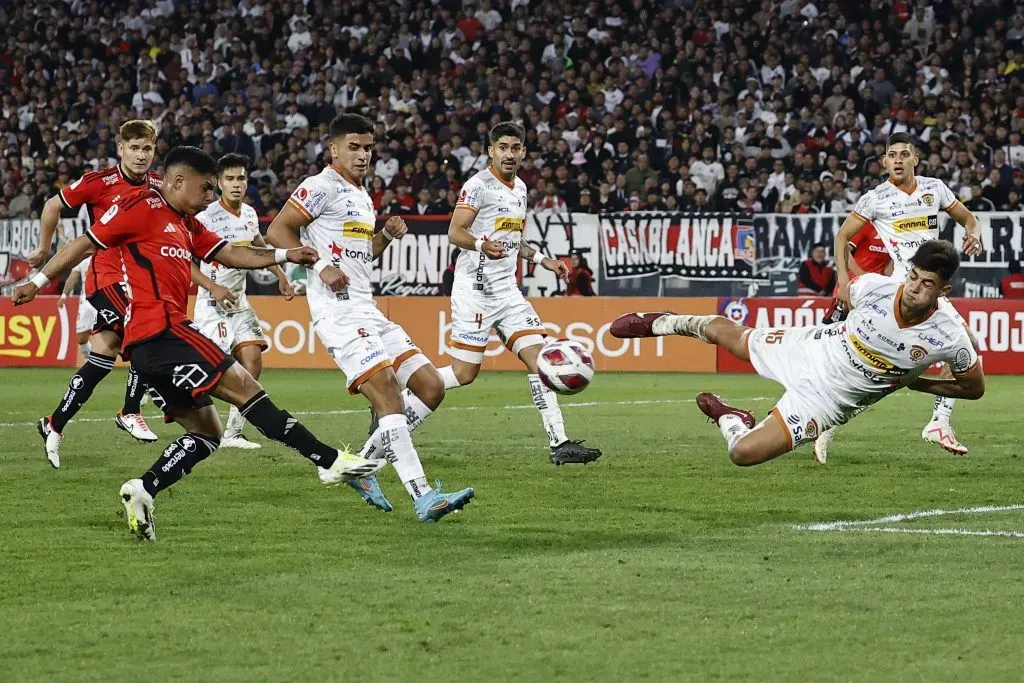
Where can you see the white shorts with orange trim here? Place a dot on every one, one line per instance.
(473, 318)
(230, 331)
(86, 316)
(806, 409)
(363, 342)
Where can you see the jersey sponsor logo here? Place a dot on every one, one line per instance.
(917, 353)
(338, 252)
(869, 356)
(301, 194)
(110, 179)
(109, 215)
(357, 230)
(315, 201)
(899, 346)
(154, 202)
(509, 224)
(916, 224)
(376, 355)
(176, 252)
(931, 340)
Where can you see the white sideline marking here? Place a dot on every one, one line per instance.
(362, 411)
(872, 525)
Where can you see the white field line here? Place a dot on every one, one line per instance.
(362, 411)
(872, 525)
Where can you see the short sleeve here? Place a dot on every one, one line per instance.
(863, 284)
(205, 244)
(946, 196)
(85, 190)
(471, 196)
(117, 226)
(309, 198)
(865, 207)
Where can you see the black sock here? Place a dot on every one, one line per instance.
(278, 425)
(177, 460)
(80, 388)
(133, 391)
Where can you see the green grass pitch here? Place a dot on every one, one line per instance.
(662, 561)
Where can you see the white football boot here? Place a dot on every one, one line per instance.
(51, 441)
(136, 426)
(138, 509)
(349, 467)
(940, 432)
(239, 441)
(821, 445)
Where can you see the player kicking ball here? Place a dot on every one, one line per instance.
(894, 332)
(488, 226)
(334, 215)
(223, 313)
(904, 211)
(159, 236)
(103, 283)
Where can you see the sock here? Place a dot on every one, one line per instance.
(943, 408)
(733, 429)
(685, 325)
(547, 403)
(133, 391)
(83, 349)
(416, 411)
(80, 388)
(279, 425)
(235, 423)
(448, 375)
(177, 460)
(396, 446)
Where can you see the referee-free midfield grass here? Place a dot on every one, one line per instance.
(662, 561)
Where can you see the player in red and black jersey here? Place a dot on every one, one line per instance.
(867, 255)
(159, 236)
(104, 289)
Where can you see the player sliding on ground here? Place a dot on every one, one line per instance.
(904, 211)
(335, 216)
(223, 313)
(488, 226)
(103, 285)
(160, 236)
(893, 333)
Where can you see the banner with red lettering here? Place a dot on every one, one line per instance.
(998, 325)
(38, 333)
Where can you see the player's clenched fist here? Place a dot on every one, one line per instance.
(334, 278)
(304, 256)
(492, 250)
(24, 293)
(396, 228)
(557, 267)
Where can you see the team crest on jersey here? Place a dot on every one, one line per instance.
(811, 430)
(917, 353)
(928, 199)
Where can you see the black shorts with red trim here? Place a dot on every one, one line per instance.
(111, 304)
(180, 366)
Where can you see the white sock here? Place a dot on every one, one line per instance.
(448, 375)
(84, 349)
(733, 429)
(943, 408)
(396, 446)
(547, 403)
(235, 423)
(685, 325)
(416, 411)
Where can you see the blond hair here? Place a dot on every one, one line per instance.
(137, 129)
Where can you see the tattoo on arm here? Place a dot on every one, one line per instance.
(526, 251)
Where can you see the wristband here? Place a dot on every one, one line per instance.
(538, 258)
(387, 235)
(319, 266)
(281, 256)
(478, 244)
(39, 280)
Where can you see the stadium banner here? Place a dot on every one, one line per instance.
(38, 333)
(294, 344)
(19, 237)
(998, 325)
(717, 246)
(559, 235)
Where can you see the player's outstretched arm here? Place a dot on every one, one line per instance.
(254, 258)
(47, 229)
(459, 235)
(850, 227)
(284, 233)
(962, 215)
(284, 286)
(67, 258)
(969, 385)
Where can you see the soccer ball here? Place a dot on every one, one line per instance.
(565, 366)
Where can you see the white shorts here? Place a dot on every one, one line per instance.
(364, 342)
(86, 317)
(513, 318)
(230, 331)
(809, 406)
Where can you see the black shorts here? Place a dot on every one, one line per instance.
(111, 304)
(180, 366)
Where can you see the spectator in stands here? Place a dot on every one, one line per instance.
(817, 277)
(581, 278)
(978, 201)
(1012, 286)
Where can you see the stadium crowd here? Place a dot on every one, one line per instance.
(628, 105)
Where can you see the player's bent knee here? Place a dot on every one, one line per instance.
(745, 454)
(428, 385)
(465, 372)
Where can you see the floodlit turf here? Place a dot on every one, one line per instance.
(661, 562)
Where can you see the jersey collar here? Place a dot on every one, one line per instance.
(501, 180)
(913, 189)
(344, 176)
(227, 208)
(127, 179)
(899, 314)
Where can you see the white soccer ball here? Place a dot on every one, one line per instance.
(565, 366)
